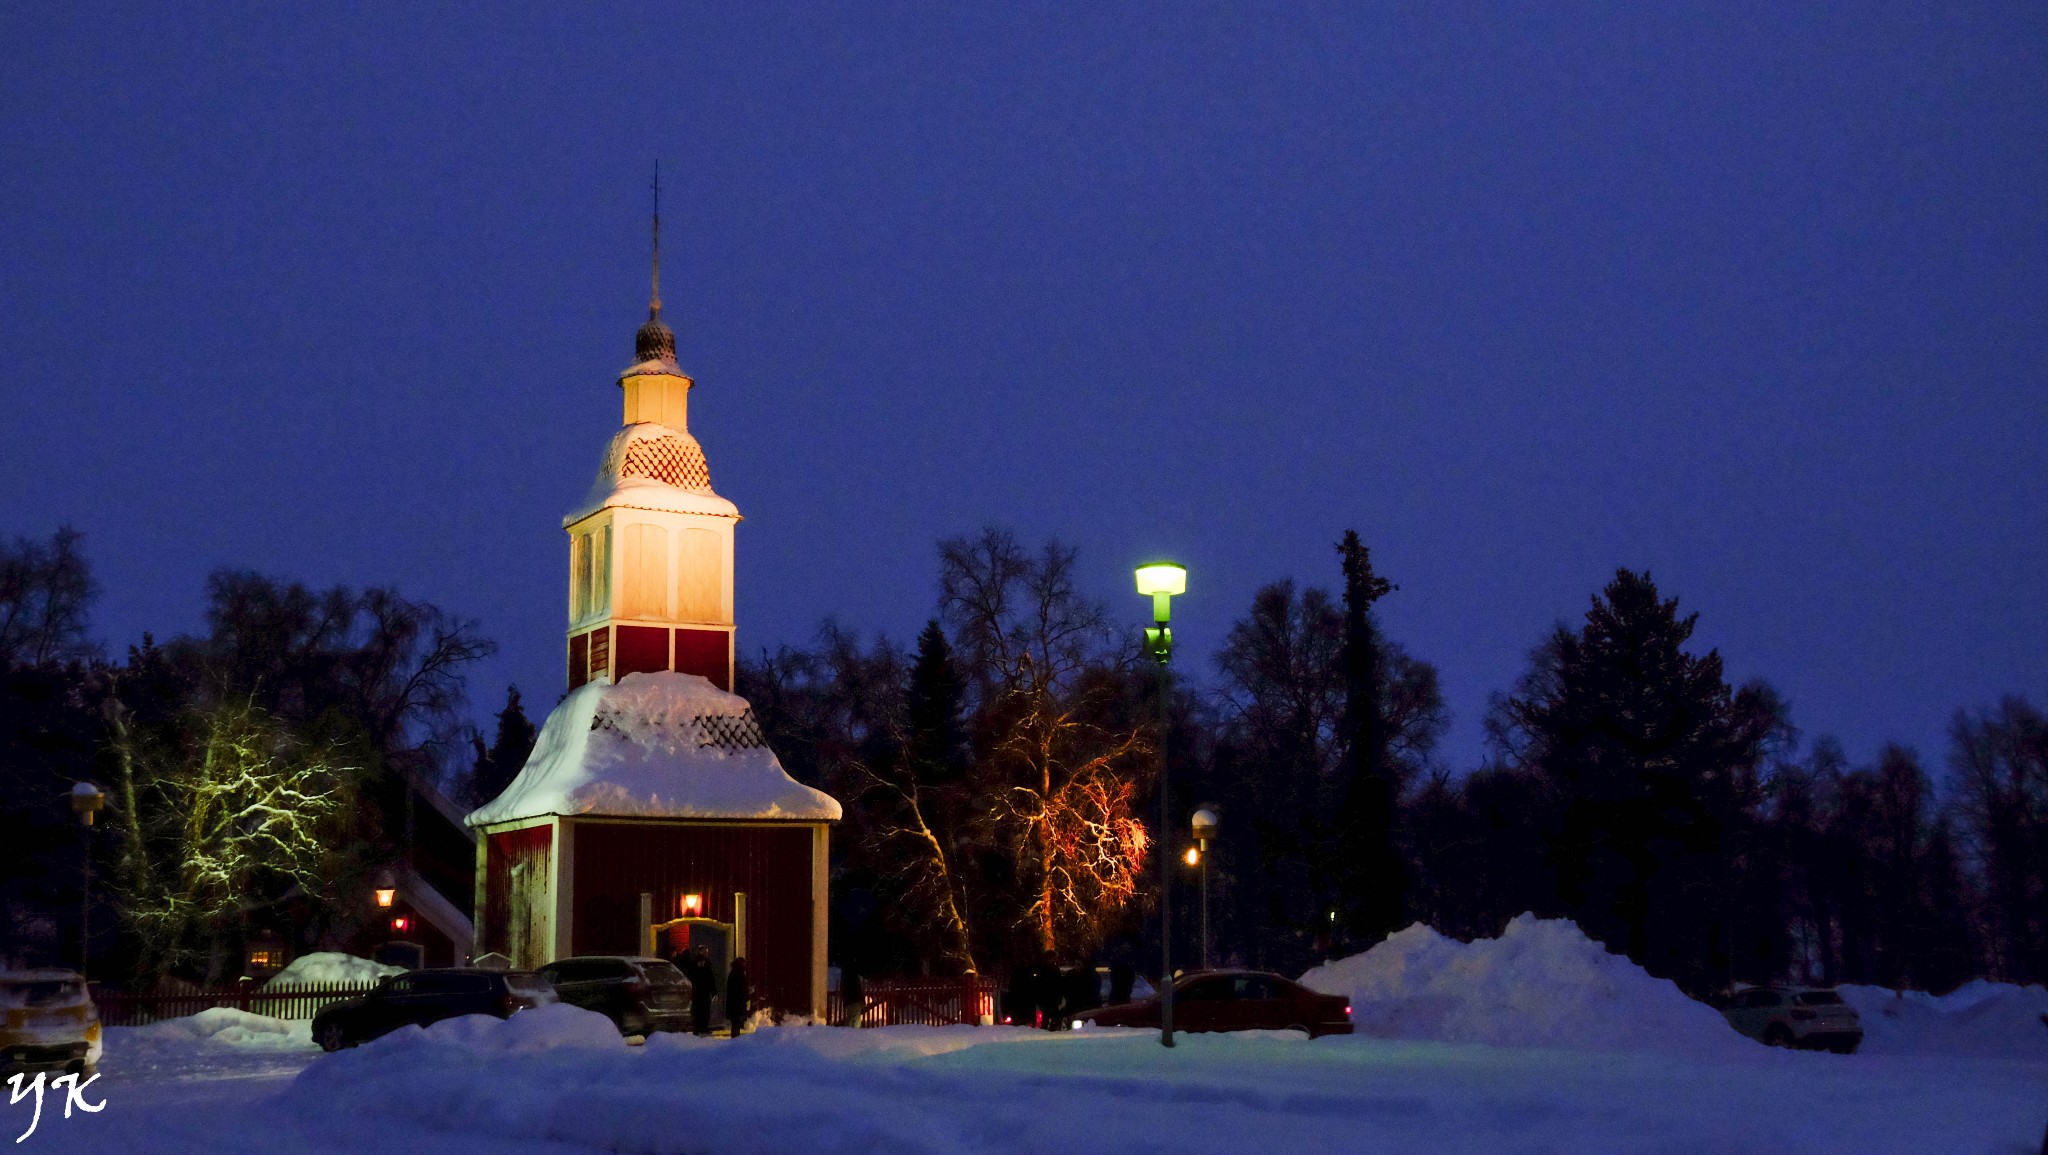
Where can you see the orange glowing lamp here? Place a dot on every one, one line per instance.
(401, 924)
(693, 905)
(385, 895)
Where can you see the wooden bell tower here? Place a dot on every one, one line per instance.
(651, 548)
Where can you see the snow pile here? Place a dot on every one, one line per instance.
(330, 968)
(1542, 983)
(544, 1028)
(224, 1027)
(655, 744)
(1996, 1020)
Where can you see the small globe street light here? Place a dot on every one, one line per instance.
(1160, 581)
(86, 801)
(1205, 821)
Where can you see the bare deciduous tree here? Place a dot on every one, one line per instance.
(218, 817)
(45, 593)
(1061, 770)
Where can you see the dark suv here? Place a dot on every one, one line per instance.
(639, 995)
(428, 996)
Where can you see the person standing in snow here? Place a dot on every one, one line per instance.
(1083, 989)
(703, 985)
(851, 1000)
(738, 997)
(1046, 993)
(1122, 979)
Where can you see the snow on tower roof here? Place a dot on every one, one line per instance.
(656, 745)
(652, 466)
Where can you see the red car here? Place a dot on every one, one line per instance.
(1235, 1001)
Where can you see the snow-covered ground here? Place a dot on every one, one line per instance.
(560, 1080)
(1539, 1041)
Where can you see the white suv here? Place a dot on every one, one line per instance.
(1800, 1017)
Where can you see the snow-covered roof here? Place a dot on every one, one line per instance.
(653, 466)
(443, 805)
(330, 967)
(663, 745)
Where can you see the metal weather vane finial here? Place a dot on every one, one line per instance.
(655, 341)
(654, 304)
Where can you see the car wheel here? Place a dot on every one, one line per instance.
(332, 1037)
(1777, 1035)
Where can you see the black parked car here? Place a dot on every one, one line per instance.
(639, 995)
(428, 996)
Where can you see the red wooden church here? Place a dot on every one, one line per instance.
(651, 809)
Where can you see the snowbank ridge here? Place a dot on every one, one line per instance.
(1995, 1020)
(1542, 983)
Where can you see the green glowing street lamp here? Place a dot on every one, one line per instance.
(1160, 581)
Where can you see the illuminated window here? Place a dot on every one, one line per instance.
(266, 958)
(601, 577)
(579, 577)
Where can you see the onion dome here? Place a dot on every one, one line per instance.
(655, 341)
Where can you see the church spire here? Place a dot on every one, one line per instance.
(654, 303)
(655, 341)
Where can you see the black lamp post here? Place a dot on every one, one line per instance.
(1205, 829)
(1160, 581)
(86, 801)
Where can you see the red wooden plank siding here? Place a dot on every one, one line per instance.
(642, 649)
(616, 861)
(579, 660)
(532, 848)
(706, 652)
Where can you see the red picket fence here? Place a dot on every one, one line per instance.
(130, 1008)
(921, 1002)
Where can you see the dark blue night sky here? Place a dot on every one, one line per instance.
(1754, 295)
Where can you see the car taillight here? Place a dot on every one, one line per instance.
(1347, 1010)
(1803, 1014)
(637, 988)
